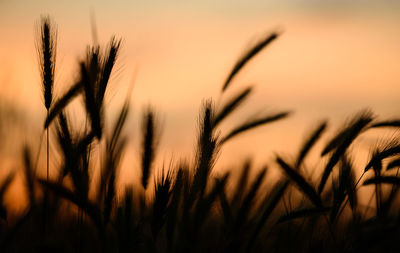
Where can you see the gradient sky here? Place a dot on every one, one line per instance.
(332, 59)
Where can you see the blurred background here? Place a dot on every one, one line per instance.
(332, 59)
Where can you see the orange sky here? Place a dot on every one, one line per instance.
(331, 60)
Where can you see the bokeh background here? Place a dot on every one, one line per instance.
(332, 59)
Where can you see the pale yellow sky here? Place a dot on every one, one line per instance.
(332, 60)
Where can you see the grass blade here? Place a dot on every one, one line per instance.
(148, 145)
(309, 143)
(389, 150)
(383, 180)
(342, 142)
(61, 103)
(389, 123)
(393, 164)
(248, 56)
(302, 184)
(254, 123)
(348, 133)
(231, 105)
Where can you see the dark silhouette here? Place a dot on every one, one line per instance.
(192, 209)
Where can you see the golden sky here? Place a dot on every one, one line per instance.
(332, 59)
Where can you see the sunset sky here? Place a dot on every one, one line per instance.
(332, 59)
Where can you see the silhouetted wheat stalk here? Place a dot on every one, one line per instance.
(193, 208)
(47, 59)
(149, 143)
(248, 55)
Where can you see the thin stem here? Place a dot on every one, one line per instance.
(47, 179)
(48, 151)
